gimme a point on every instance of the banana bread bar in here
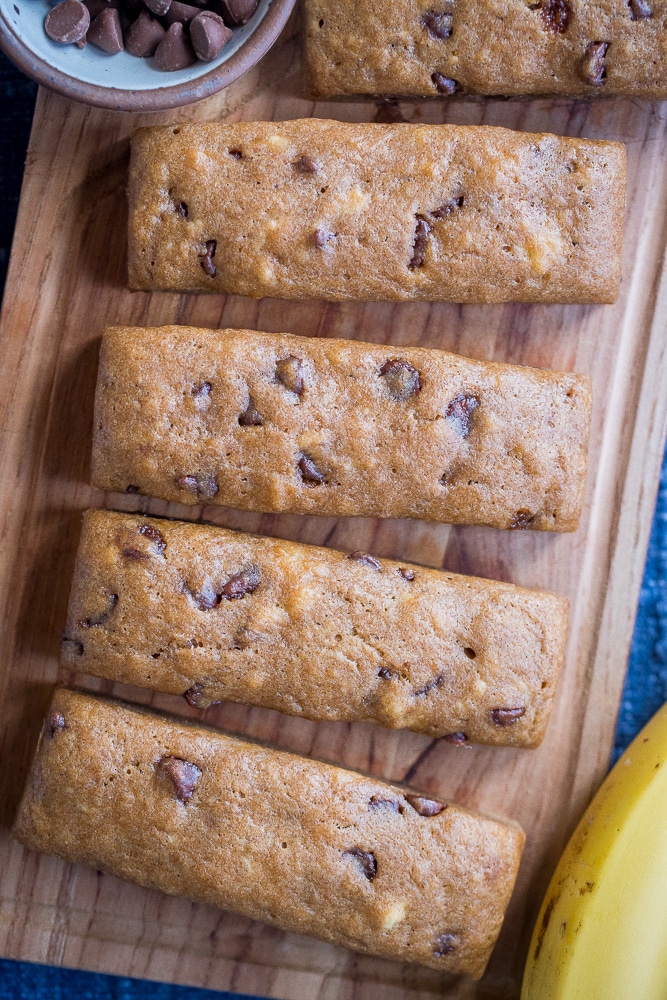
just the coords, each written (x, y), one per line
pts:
(417, 48)
(222, 616)
(273, 422)
(332, 210)
(284, 839)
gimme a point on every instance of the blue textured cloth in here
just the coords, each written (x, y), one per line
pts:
(24, 981)
(645, 687)
(646, 681)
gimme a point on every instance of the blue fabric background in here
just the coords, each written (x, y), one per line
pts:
(646, 682)
(23, 981)
(645, 687)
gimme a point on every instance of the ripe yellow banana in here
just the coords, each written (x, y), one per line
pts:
(601, 933)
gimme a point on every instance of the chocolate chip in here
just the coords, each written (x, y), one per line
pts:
(639, 10)
(407, 574)
(445, 945)
(444, 84)
(470, 653)
(182, 774)
(310, 474)
(556, 15)
(367, 560)
(131, 553)
(449, 207)
(183, 12)
(401, 378)
(522, 520)
(96, 7)
(209, 35)
(206, 260)
(235, 154)
(306, 165)
(153, 535)
(245, 582)
(437, 682)
(192, 25)
(73, 645)
(365, 860)
(158, 7)
(385, 674)
(175, 52)
(112, 601)
(438, 23)
(182, 210)
(250, 416)
(321, 237)
(460, 412)
(242, 583)
(201, 390)
(424, 806)
(389, 111)
(422, 229)
(205, 599)
(506, 716)
(195, 696)
(67, 22)
(457, 739)
(376, 803)
(237, 11)
(204, 485)
(289, 373)
(131, 489)
(106, 32)
(593, 69)
(54, 723)
(143, 36)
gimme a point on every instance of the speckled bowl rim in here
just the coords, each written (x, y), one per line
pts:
(157, 99)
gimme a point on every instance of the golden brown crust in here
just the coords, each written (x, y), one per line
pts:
(332, 210)
(473, 443)
(303, 845)
(507, 47)
(223, 616)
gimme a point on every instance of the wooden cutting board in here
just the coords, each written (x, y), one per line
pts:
(66, 282)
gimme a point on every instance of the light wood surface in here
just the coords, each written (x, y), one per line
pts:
(66, 281)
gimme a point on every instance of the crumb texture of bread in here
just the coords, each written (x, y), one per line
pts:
(274, 422)
(320, 209)
(218, 615)
(290, 841)
(504, 47)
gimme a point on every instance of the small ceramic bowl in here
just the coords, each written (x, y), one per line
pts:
(123, 82)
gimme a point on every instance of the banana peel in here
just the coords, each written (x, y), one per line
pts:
(601, 933)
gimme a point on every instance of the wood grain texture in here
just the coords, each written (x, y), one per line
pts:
(66, 282)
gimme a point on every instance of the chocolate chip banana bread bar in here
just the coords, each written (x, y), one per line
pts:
(274, 422)
(417, 48)
(333, 210)
(218, 615)
(293, 842)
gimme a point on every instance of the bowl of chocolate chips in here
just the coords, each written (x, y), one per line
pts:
(139, 55)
